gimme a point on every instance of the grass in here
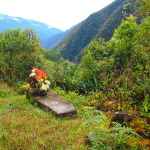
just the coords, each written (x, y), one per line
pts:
(24, 126)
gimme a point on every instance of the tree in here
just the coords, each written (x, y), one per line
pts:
(19, 51)
(96, 49)
(124, 42)
(144, 9)
(54, 55)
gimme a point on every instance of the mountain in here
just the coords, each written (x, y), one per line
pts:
(43, 30)
(51, 42)
(99, 24)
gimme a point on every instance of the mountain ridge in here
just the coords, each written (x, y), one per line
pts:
(51, 42)
(43, 30)
(92, 28)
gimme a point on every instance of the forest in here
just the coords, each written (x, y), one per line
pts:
(99, 24)
(112, 76)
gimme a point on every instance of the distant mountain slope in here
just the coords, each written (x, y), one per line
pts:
(114, 20)
(51, 42)
(99, 24)
(43, 30)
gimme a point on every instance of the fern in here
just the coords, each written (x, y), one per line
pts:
(104, 138)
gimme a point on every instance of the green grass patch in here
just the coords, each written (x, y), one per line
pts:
(27, 127)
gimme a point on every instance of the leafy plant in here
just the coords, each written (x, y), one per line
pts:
(104, 137)
(146, 105)
(19, 52)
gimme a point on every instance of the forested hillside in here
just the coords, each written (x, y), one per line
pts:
(99, 24)
(51, 42)
(109, 87)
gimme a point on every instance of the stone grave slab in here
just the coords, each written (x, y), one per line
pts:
(55, 104)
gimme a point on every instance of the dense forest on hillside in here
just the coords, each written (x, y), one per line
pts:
(114, 75)
(51, 42)
(99, 24)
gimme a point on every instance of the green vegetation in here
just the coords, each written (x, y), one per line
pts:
(25, 126)
(112, 76)
(19, 51)
(99, 24)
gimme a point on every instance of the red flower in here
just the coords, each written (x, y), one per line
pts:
(32, 83)
(39, 74)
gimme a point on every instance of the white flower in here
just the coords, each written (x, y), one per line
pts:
(47, 82)
(44, 87)
(32, 75)
(33, 70)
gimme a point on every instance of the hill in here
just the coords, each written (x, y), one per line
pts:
(99, 24)
(43, 30)
(51, 42)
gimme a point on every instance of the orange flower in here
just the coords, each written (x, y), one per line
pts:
(39, 74)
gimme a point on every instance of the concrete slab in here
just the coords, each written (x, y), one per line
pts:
(55, 104)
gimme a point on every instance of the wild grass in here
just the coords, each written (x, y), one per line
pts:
(24, 126)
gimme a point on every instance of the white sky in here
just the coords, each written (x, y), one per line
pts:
(61, 14)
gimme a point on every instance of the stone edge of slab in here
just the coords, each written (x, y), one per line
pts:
(47, 108)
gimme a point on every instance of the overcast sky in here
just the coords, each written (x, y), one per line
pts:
(61, 14)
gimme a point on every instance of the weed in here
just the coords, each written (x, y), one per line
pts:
(105, 138)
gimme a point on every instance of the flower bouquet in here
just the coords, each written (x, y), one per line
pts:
(38, 81)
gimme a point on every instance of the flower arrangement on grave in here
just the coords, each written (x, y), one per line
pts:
(38, 80)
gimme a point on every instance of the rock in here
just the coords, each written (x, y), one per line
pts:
(121, 117)
(55, 104)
